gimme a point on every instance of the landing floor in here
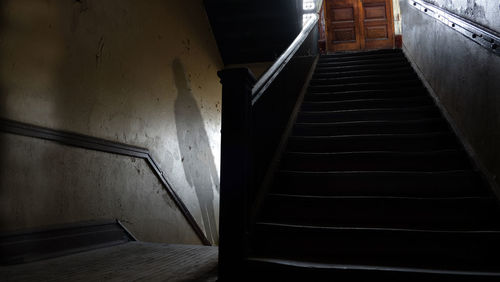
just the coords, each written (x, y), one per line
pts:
(133, 261)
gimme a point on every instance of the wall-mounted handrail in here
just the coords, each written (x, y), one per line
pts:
(268, 77)
(483, 36)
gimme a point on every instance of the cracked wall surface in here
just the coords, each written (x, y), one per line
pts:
(107, 69)
(484, 12)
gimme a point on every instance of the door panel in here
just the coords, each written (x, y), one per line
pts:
(378, 25)
(359, 24)
(343, 31)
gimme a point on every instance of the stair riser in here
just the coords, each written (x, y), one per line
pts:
(422, 249)
(364, 86)
(450, 214)
(458, 184)
(346, 273)
(362, 79)
(346, 74)
(325, 59)
(367, 104)
(369, 128)
(366, 94)
(366, 116)
(356, 62)
(355, 144)
(384, 52)
(375, 162)
(391, 66)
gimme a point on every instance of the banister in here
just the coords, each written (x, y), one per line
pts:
(248, 135)
(268, 77)
(485, 37)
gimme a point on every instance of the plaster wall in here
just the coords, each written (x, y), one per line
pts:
(483, 12)
(84, 186)
(137, 72)
(463, 75)
(397, 17)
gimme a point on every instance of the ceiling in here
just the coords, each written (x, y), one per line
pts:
(250, 31)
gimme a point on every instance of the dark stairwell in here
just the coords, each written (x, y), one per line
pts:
(373, 184)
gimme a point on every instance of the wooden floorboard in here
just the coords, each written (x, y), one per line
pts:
(133, 261)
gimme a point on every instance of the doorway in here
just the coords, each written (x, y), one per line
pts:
(353, 25)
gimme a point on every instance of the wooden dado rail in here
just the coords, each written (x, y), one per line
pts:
(93, 143)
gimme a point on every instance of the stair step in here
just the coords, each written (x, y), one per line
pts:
(459, 183)
(369, 114)
(460, 213)
(356, 73)
(451, 250)
(376, 161)
(366, 94)
(298, 269)
(363, 67)
(381, 52)
(373, 142)
(382, 85)
(371, 127)
(351, 57)
(360, 61)
(404, 102)
(362, 78)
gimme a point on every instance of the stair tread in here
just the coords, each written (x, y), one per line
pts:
(321, 69)
(411, 90)
(376, 229)
(373, 141)
(440, 213)
(368, 122)
(430, 160)
(451, 249)
(356, 61)
(418, 126)
(373, 110)
(325, 264)
(365, 57)
(372, 83)
(410, 98)
(373, 135)
(358, 73)
(379, 183)
(362, 53)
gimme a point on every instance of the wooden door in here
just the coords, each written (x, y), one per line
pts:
(359, 25)
(343, 32)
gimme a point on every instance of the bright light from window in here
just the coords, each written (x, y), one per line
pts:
(308, 4)
(306, 17)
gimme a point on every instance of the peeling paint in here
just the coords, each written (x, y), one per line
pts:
(483, 12)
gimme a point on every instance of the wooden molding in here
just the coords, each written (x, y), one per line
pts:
(98, 144)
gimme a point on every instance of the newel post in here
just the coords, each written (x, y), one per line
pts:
(235, 169)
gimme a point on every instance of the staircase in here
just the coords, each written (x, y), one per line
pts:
(374, 184)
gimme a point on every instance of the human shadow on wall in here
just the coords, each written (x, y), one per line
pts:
(197, 158)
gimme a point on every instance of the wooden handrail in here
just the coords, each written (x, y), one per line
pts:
(268, 77)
